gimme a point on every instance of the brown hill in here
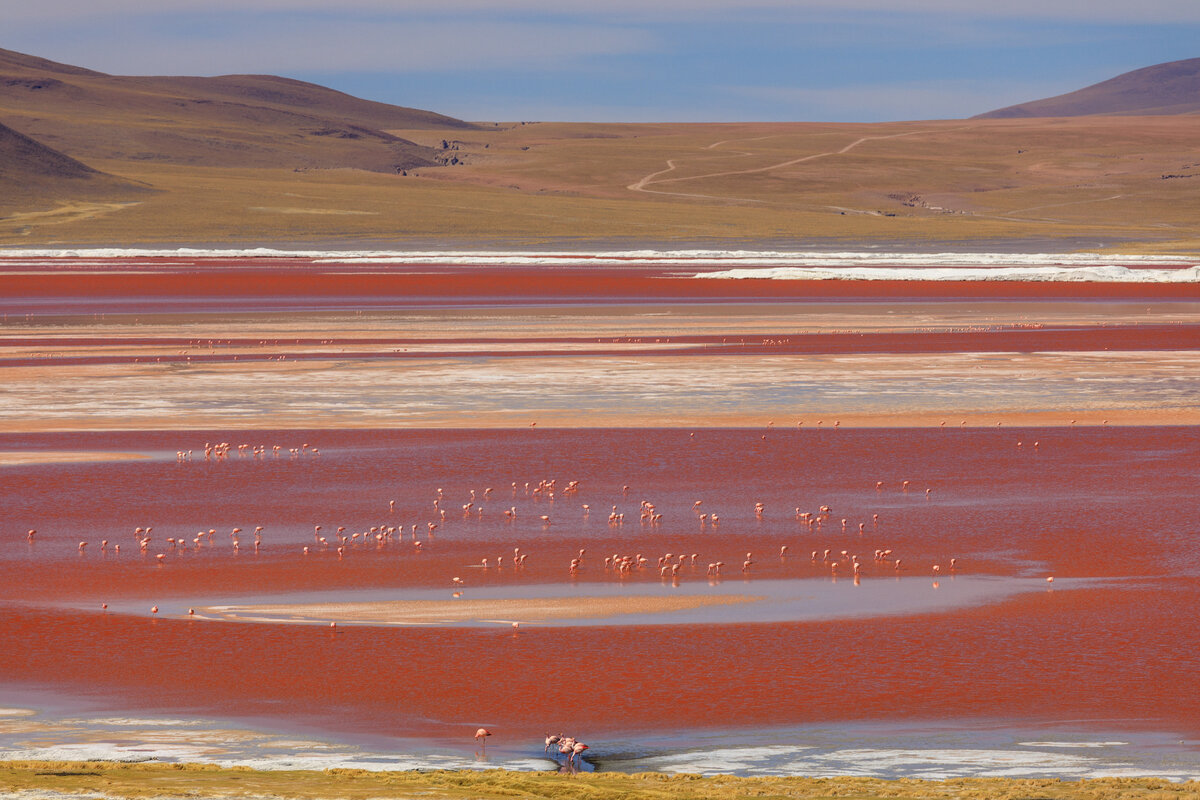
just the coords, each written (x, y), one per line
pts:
(31, 171)
(23, 159)
(230, 121)
(1171, 88)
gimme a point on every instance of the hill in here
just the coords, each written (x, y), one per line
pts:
(25, 161)
(30, 172)
(1163, 89)
(247, 121)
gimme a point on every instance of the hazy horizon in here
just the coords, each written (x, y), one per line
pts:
(713, 60)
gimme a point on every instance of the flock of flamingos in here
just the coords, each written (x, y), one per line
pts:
(669, 565)
(834, 561)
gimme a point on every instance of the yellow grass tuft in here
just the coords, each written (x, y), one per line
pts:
(118, 780)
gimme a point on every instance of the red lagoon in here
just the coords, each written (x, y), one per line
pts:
(1109, 512)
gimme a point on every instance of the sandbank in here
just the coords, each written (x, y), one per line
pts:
(11, 458)
(424, 612)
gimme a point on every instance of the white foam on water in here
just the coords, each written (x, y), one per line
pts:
(716, 761)
(939, 750)
(92, 739)
(1073, 744)
(379, 762)
(17, 712)
(134, 722)
(878, 759)
(832, 265)
(106, 751)
(299, 756)
(1029, 274)
(925, 763)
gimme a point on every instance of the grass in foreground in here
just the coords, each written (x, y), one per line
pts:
(111, 779)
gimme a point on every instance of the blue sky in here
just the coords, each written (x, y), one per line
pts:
(622, 60)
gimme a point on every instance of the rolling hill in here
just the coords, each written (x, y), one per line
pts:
(247, 121)
(31, 171)
(1163, 89)
(24, 160)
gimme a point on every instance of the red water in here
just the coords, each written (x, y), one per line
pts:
(283, 280)
(1119, 503)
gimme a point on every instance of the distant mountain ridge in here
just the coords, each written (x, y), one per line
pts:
(1163, 89)
(228, 121)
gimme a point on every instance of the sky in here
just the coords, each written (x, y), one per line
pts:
(631, 60)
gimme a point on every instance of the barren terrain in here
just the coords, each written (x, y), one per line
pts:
(1126, 183)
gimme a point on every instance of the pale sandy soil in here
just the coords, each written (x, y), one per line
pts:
(417, 612)
(22, 458)
(292, 421)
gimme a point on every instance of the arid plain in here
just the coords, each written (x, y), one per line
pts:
(1016, 184)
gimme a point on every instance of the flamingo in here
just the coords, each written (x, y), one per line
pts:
(482, 734)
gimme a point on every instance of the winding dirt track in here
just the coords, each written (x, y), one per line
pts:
(672, 164)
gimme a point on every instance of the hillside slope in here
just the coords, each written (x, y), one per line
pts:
(31, 171)
(1170, 88)
(243, 121)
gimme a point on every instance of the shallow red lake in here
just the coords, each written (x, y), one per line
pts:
(1115, 506)
(886, 427)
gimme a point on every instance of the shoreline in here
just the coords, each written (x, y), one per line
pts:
(975, 420)
(58, 779)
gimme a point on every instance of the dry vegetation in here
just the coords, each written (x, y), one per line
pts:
(1076, 181)
(109, 779)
